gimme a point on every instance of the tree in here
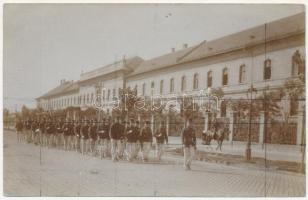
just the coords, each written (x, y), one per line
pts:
(25, 112)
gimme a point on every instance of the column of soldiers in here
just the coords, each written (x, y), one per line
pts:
(118, 140)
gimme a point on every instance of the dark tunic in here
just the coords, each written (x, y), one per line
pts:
(146, 134)
(93, 132)
(161, 135)
(85, 132)
(189, 137)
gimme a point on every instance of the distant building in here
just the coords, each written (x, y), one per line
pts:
(264, 56)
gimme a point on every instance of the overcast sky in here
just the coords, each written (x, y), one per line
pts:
(46, 43)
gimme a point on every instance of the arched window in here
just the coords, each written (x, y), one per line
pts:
(136, 89)
(113, 94)
(104, 94)
(242, 78)
(171, 85)
(225, 76)
(143, 89)
(267, 69)
(152, 87)
(209, 79)
(161, 87)
(223, 109)
(196, 81)
(297, 64)
(183, 83)
(108, 95)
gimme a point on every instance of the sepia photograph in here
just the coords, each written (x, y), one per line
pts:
(154, 100)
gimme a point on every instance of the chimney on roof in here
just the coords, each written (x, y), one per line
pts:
(62, 81)
(172, 49)
(185, 46)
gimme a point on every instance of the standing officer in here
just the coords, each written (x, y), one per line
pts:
(115, 139)
(93, 136)
(42, 126)
(161, 138)
(147, 139)
(84, 137)
(77, 127)
(189, 144)
(66, 133)
(19, 127)
(58, 133)
(104, 139)
(28, 129)
(50, 130)
(131, 137)
(35, 131)
(122, 140)
(138, 145)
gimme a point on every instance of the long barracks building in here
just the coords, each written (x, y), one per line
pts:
(264, 56)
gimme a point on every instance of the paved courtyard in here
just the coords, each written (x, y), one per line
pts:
(33, 171)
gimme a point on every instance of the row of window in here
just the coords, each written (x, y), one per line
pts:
(225, 81)
(297, 68)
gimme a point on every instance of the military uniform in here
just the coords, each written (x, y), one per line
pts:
(57, 136)
(189, 143)
(93, 137)
(104, 139)
(84, 143)
(50, 130)
(161, 139)
(116, 133)
(28, 130)
(147, 139)
(77, 128)
(66, 133)
(131, 138)
(35, 132)
(19, 127)
(42, 125)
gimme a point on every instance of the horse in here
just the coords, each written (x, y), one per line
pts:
(210, 135)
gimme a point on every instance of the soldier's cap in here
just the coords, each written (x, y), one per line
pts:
(147, 121)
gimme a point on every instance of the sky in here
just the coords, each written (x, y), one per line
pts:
(44, 43)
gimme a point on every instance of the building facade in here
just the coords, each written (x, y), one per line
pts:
(262, 58)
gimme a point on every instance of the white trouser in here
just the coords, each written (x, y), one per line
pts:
(160, 147)
(115, 148)
(130, 150)
(146, 150)
(189, 153)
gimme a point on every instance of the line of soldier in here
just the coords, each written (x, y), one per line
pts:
(117, 140)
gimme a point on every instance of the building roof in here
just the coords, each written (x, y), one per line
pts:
(274, 30)
(125, 64)
(66, 87)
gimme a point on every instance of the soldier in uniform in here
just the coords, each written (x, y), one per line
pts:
(77, 128)
(71, 137)
(93, 137)
(115, 135)
(28, 129)
(161, 138)
(42, 131)
(35, 131)
(66, 133)
(103, 135)
(58, 134)
(147, 139)
(138, 145)
(19, 127)
(122, 140)
(189, 144)
(84, 137)
(131, 137)
(48, 128)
